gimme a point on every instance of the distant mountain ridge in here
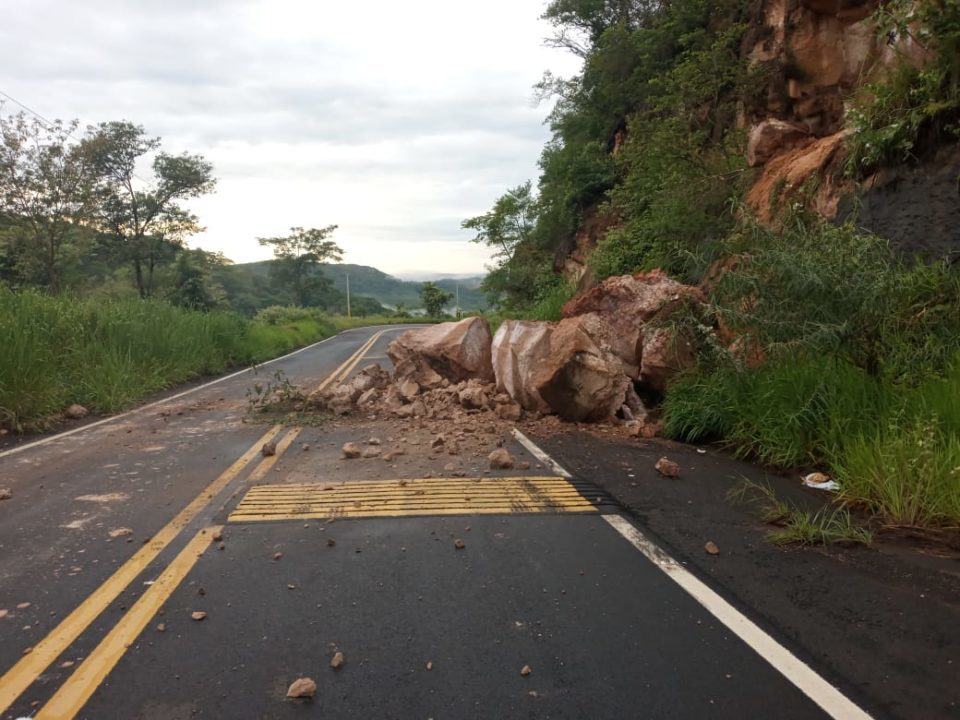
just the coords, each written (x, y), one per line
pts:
(386, 289)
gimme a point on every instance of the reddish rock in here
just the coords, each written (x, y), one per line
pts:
(772, 137)
(667, 467)
(76, 412)
(448, 351)
(360, 389)
(518, 348)
(351, 450)
(617, 311)
(665, 353)
(473, 398)
(500, 459)
(302, 688)
(640, 297)
(510, 412)
(559, 368)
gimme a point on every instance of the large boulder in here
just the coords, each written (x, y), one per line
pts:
(582, 380)
(559, 368)
(518, 348)
(634, 299)
(666, 352)
(449, 351)
(621, 313)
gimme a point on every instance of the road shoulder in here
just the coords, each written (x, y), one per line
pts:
(881, 622)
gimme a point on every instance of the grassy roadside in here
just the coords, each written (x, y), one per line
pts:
(106, 356)
(860, 374)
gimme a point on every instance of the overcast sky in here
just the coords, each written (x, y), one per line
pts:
(393, 120)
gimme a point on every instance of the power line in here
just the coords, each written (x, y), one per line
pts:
(30, 110)
(49, 123)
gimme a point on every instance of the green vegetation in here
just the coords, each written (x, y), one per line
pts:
(297, 260)
(826, 526)
(917, 108)
(846, 354)
(434, 299)
(862, 369)
(108, 355)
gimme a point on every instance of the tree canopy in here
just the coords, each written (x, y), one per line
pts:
(47, 185)
(297, 260)
(434, 298)
(143, 220)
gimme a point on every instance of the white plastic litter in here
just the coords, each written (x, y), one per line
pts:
(819, 481)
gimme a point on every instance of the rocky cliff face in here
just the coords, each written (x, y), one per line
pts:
(815, 57)
(818, 55)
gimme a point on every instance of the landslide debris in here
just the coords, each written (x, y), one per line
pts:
(616, 343)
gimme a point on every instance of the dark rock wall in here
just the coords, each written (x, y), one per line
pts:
(916, 207)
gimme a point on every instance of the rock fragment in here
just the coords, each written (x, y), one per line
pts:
(337, 661)
(5, 493)
(120, 532)
(459, 544)
(198, 615)
(500, 459)
(711, 548)
(269, 449)
(302, 688)
(76, 412)
(351, 450)
(525, 670)
(667, 467)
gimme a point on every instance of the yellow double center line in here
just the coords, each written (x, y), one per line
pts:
(29, 668)
(340, 374)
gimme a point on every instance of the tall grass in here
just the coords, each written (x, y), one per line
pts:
(107, 355)
(862, 371)
(893, 446)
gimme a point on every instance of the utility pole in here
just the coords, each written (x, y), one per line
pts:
(348, 295)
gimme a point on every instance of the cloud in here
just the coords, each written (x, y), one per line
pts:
(393, 120)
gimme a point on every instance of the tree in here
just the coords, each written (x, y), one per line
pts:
(297, 260)
(434, 298)
(144, 219)
(195, 286)
(509, 223)
(46, 190)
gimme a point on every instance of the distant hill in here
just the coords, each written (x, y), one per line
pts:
(367, 281)
(392, 291)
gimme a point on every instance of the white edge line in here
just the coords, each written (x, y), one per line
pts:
(830, 700)
(540, 454)
(826, 696)
(157, 403)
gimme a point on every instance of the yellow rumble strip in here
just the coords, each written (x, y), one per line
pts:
(399, 498)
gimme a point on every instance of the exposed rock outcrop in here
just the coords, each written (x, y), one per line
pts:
(571, 260)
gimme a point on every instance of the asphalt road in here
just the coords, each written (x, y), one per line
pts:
(118, 533)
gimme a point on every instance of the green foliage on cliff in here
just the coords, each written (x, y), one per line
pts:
(645, 130)
(918, 106)
(860, 349)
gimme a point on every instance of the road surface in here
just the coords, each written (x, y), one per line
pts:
(118, 533)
